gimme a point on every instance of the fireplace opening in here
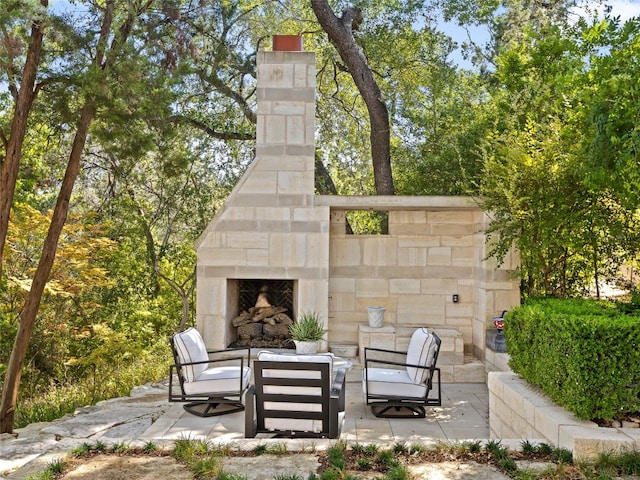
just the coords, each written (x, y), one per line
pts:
(263, 312)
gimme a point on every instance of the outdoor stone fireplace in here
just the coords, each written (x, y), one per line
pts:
(429, 270)
(265, 311)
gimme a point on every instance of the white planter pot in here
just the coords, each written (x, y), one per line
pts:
(303, 347)
(376, 316)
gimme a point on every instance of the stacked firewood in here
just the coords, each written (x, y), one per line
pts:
(263, 327)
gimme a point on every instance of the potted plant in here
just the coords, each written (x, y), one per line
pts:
(307, 332)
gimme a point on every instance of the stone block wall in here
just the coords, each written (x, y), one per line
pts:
(433, 251)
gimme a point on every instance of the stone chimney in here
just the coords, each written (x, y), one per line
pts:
(269, 227)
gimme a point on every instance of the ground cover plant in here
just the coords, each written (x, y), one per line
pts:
(346, 461)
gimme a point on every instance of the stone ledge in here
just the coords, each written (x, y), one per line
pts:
(529, 413)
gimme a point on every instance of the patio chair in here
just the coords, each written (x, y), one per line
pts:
(400, 384)
(211, 382)
(295, 396)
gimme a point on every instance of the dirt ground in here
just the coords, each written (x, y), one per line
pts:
(145, 467)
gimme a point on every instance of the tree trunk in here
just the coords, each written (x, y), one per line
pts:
(32, 304)
(30, 311)
(340, 32)
(13, 146)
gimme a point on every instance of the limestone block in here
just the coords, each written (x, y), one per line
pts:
(451, 229)
(381, 337)
(281, 162)
(463, 256)
(287, 250)
(372, 287)
(343, 302)
(227, 256)
(275, 129)
(447, 374)
(240, 213)
(295, 130)
(260, 182)
(286, 108)
(275, 75)
(419, 241)
(587, 443)
(438, 285)
(404, 285)
(257, 257)
(422, 307)
(464, 217)
(398, 217)
(469, 373)
(460, 309)
(342, 285)
(344, 252)
(270, 214)
(380, 251)
(409, 229)
(412, 256)
(291, 182)
(439, 256)
(458, 241)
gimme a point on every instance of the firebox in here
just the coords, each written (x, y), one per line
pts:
(265, 309)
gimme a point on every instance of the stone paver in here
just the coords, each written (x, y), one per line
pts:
(147, 416)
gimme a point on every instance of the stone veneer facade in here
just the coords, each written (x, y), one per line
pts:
(273, 226)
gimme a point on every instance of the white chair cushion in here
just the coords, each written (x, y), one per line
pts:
(268, 356)
(391, 382)
(223, 379)
(422, 349)
(190, 347)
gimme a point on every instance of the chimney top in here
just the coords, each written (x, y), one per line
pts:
(287, 43)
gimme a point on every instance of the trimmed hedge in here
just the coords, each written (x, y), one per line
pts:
(584, 354)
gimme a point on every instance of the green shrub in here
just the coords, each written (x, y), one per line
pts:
(584, 354)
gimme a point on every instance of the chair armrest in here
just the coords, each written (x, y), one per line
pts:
(338, 388)
(250, 424)
(373, 349)
(399, 364)
(213, 360)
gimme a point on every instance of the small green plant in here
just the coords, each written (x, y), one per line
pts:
(231, 476)
(387, 458)
(400, 447)
(495, 448)
(358, 448)
(99, 446)
(278, 449)
(371, 449)
(545, 449)
(475, 446)
(287, 477)
(308, 328)
(260, 449)
(207, 467)
(337, 458)
(397, 472)
(120, 448)
(562, 455)
(416, 449)
(81, 449)
(364, 463)
(187, 450)
(56, 466)
(508, 464)
(528, 448)
(149, 447)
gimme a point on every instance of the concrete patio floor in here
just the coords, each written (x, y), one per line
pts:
(147, 416)
(464, 415)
